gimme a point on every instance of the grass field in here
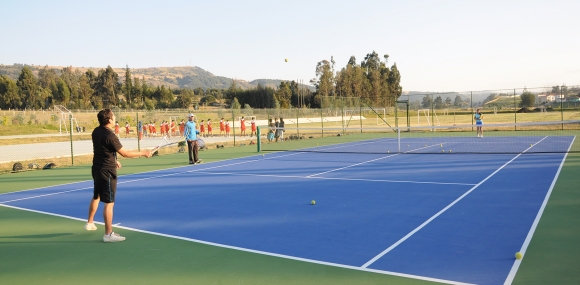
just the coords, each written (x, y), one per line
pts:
(38, 248)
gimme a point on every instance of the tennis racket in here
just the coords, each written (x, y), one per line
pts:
(164, 142)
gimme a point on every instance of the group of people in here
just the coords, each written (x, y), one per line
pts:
(275, 130)
(206, 130)
(117, 129)
(166, 128)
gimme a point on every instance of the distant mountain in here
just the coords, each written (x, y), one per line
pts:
(173, 77)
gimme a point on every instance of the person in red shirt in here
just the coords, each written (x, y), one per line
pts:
(209, 133)
(243, 126)
(253, 123)
(127, 130)
(154, 129)
(117, 129)
(222, 127)
(227, 128)
(181, 127)
(201, 129)
(162, 127)
(172, 128)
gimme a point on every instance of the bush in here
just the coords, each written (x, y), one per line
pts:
(19, 118)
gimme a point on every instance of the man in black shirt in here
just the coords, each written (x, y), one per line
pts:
(106, 145)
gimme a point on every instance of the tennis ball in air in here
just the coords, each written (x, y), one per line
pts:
(312, 202)
(286, 60)
(519, 255)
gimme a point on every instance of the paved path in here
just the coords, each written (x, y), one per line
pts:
(23, 152)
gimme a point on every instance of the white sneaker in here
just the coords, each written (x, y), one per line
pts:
(113, 237)
(90, 227)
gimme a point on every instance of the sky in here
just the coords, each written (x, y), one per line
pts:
(438, 46)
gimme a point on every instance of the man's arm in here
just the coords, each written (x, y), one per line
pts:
(132, 154)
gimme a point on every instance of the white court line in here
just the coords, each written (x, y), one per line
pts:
(516, 266)
(334, 178)
(368, 263)
(356, 164)
(134, 180)
(256, 251)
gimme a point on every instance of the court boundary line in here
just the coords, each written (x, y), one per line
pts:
(517, 263)
(336, 178)
(418, 228)
(139, 179)
(384, 272)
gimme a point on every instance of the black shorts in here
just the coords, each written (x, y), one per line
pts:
(105, 184)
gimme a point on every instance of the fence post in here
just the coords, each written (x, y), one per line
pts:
(515, 112)
(471, 102)
(322, 121)
(72, 157)
(139, 130)
(562, 107)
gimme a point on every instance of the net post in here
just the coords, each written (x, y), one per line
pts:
(72, 157)
(399, 140)
(259, 141)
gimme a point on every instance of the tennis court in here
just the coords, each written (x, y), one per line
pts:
(444, 217)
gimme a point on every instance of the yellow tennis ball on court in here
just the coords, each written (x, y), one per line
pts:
(442, 150)
(530, 144)
(312, 202)
(449, 150)
(441, 145)
(519, 255)
(388, 151)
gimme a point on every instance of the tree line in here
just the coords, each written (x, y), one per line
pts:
(371, 80)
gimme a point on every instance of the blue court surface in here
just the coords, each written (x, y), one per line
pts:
(451, 218)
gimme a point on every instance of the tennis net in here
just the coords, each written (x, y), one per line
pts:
(539, 137)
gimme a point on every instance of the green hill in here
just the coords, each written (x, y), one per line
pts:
(173, 77)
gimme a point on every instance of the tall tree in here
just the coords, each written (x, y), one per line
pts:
(528, 99)
(324, 81)
(426, 102)
(28, 87)
(9, 96)
(128, 85)
(86, 92)
(458, 101)
(62, 95)
(283, 95)
(106, 87)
